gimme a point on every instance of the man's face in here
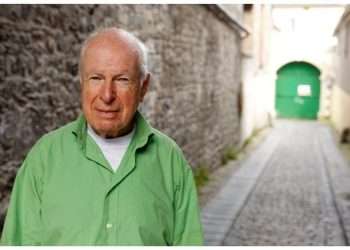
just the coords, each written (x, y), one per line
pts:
(111, 86)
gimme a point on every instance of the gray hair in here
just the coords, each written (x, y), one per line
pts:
(141, 48)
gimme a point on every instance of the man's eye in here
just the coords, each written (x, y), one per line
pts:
(122, 81)
(95, 78)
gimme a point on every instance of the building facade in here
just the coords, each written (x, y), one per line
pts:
(256, 83)
(341, 89)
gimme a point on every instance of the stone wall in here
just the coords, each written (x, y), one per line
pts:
(194, 58)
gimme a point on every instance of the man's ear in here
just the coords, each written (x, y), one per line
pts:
(144, 86)
(81, 81)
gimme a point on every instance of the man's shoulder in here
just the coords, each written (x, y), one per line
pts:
(164, 140)
(168, 148)
(170, 153)
(157, 137)
(59, 134)
(48, 146)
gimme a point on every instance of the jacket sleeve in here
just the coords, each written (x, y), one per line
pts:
(23, 223)
(188, 228)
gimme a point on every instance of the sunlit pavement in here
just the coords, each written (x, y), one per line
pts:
(293, 189)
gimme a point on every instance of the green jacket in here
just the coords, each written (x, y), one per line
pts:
(66, 193)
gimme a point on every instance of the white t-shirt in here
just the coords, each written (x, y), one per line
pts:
(113, 149)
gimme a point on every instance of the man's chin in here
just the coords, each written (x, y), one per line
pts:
(110, 128)
(106, 129)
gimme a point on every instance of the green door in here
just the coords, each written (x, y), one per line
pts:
(297, 91)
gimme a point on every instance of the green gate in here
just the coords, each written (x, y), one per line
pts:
(297, 91)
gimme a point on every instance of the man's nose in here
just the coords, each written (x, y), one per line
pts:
(108, 92)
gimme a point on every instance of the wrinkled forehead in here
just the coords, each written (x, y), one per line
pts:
(112, 41)
(110, 45)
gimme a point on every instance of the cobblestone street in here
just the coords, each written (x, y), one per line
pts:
(293, 189)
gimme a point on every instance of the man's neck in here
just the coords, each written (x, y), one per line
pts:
(107, 139)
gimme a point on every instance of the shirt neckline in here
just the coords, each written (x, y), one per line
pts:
(120, 140)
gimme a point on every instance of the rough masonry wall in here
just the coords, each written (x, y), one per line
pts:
(194, 59)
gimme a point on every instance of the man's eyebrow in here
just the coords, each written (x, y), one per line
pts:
(115, 75)
(94, 74)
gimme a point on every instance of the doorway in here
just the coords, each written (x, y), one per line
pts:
(298, 91)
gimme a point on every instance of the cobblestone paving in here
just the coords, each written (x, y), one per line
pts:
(300, 195)
(219, 177)
(220, 211)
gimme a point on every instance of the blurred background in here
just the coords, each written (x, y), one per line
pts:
(220, 75)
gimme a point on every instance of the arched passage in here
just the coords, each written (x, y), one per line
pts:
(298, 91)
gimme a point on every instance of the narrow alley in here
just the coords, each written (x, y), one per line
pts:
(291, 190)
(255, 95)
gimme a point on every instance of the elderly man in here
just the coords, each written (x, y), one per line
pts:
(107, 178)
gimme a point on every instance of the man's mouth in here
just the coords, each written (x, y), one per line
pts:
(109, 114)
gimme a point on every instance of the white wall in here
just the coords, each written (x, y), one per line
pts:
(340, 109)
(341, 90)
(256, 81)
